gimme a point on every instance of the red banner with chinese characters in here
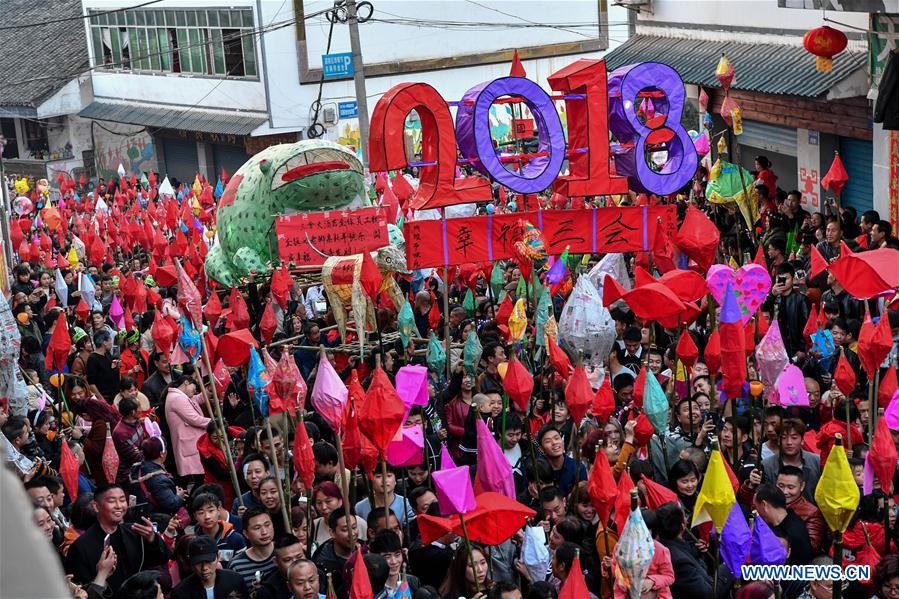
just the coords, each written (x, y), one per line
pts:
(454, 241)
(894, 180)
(335, 233)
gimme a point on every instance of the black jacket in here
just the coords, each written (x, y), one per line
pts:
(273, 586)
(228, 585)
(792, 314)
(328, 561)
(161, 492)
(690, 576)
(133, 553)
(153, 388)
(886, 109)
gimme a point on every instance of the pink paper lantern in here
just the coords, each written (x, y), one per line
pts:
(892, 412)
(407, 447)
(454, 491)
(791, 387)
(412, 385)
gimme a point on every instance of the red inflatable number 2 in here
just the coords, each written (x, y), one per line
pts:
(438, 185)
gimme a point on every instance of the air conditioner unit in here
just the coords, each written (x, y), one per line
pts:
(329, 115)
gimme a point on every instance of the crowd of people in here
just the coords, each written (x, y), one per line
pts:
(170, 522)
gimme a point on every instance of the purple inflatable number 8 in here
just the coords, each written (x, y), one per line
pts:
(473, 134)
(625, 85)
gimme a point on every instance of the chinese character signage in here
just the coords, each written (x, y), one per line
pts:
(455, 241)
(335, 233)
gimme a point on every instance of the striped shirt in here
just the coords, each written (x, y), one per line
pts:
(247, 567)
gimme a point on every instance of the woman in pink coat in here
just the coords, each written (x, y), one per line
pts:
(659, 578)
(186, 424)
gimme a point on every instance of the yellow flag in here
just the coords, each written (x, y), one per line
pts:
(72, 257)
(733, 263)
(837, 494)
(716, 498)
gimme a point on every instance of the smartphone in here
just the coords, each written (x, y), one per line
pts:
(106, 542)
(781, 280)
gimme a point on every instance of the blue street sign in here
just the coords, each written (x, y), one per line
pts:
(348, 110)
(337, 66)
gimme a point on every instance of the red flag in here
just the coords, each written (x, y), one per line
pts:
(268, 324)
(213, 309)
(578, 394)
(504, 312)
(604, 401)
(888, 387)
(402, 189)
(749, 332)
(662, 251)
(434, 315)
(163, 334)
(575, 586)
(602, 487)
(517, 69)
(883, 456)
(361, 585)
(221, 377)
(811, 325)
(874, 343)
(303, 460)
(281, 285)
(370, 276)
(623, 501)
(59, 347)
(686, 349)
(189, 296)
(352, 436)
(639, 386)
(68, 470)
(712, 353)
(240, 315)
(819, 264)
(760, 256)
(558, 358)
(82, 311)
(836, 178)
(657, 495)
(844, 376)
(518, 384)
(643, 431)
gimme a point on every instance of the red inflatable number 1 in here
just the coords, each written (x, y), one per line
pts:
(438, 185)
(590, 171)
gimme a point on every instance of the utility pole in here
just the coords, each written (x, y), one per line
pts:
(359, 79)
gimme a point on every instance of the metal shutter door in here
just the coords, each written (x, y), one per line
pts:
(180, 159)
(228, 157)
(768, 137)
(858, 156)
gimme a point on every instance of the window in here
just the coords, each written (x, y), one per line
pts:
(218, 42)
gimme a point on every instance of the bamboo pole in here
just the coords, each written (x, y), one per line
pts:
(274, 452)
(221, 423)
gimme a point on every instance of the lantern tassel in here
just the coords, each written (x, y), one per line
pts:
(823, 64)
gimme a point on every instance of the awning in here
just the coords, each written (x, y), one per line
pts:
(193, 119)
(764, 68)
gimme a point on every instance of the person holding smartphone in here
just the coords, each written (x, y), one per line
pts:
(103, 367)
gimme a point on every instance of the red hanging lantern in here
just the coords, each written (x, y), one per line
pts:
(825, 43)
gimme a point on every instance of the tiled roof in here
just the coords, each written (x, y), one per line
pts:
(766, 68)
(207, 121)
(36, 61)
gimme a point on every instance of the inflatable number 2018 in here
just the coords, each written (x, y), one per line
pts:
(594, 106)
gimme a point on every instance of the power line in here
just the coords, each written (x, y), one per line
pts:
(77, 18)
(514, 16)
